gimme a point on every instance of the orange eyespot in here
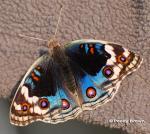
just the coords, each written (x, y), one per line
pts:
(65, 104)
(44, 103)
(122, 59)
(108, 71)
(91, 92)
(25, 107)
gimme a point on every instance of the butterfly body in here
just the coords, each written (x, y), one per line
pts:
(81, 75)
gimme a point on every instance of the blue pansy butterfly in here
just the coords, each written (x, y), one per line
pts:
(82, 75)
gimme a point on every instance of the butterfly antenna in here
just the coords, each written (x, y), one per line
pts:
(53, 41)
(58, 21)
(21, 35)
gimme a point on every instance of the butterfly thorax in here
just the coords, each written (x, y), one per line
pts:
(52, 43)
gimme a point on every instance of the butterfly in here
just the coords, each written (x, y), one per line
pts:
(81, 75)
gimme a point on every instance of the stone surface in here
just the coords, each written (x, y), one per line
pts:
(125, 22)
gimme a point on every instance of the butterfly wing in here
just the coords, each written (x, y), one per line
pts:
(98, 68)
(42, 96)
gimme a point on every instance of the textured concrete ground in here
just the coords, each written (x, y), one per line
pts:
(125, 22)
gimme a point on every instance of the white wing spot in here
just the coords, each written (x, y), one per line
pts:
(24, 91)
(126, 52)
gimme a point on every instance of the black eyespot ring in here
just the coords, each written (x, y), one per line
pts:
(25, 107)
(108, 71)
(44, 103)
(122, 59)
